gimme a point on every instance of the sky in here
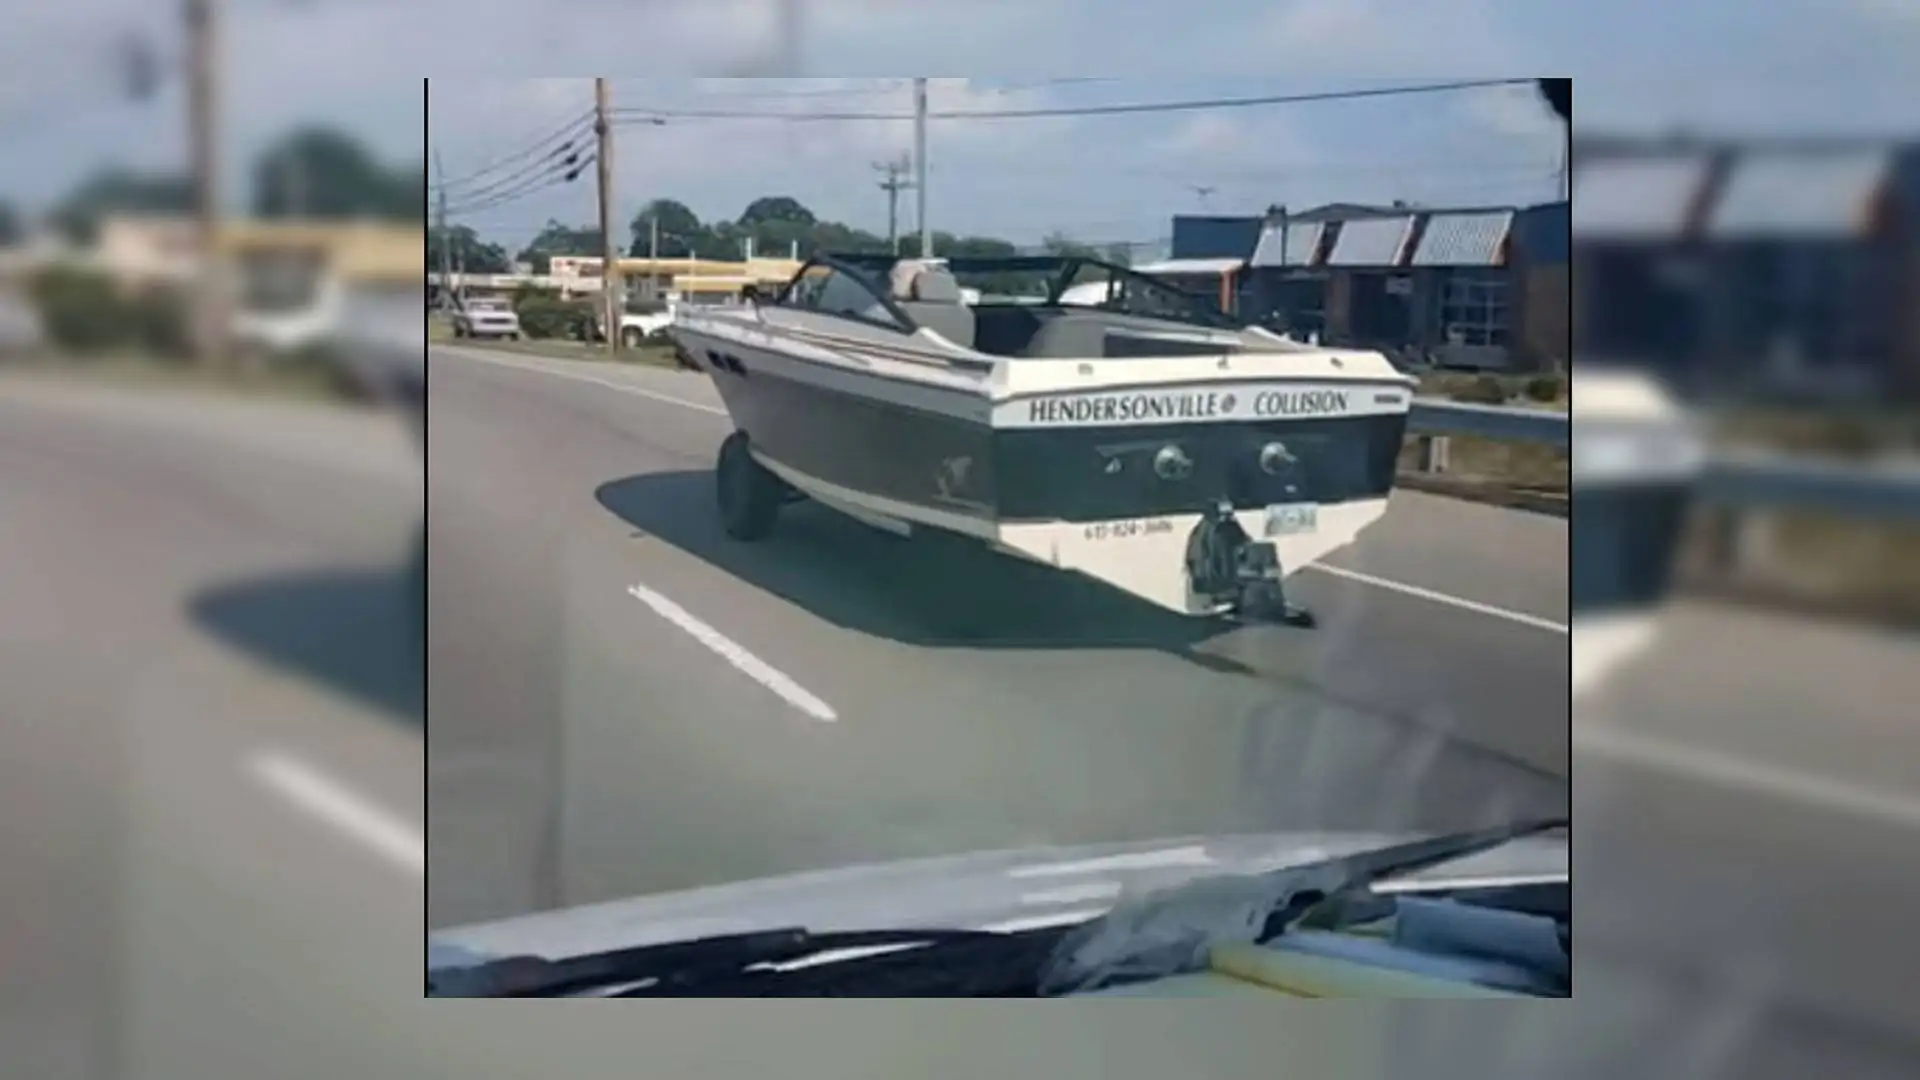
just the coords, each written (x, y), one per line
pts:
(1709, 65)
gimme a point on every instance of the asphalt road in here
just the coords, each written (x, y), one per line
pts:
(1753, 761)
(212, 813)
(200, 666)
(587, 618)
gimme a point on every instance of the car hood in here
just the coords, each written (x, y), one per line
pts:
(1002, 890)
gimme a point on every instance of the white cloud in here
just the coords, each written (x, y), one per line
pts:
(1400, 38)
(1516, 115)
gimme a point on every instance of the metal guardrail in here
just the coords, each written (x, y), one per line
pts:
(1435, 416)
(1883, 490)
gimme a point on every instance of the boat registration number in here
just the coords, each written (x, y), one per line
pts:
(1292, 519)
(1126, 530)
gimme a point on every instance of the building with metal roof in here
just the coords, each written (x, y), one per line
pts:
(1464, 238)
(1372, 242)
(1777, 264)
(1787, 195)
(1640, 198)
(1198, 236)
(1294, 243)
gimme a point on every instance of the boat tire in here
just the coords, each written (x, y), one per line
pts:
(749, 495)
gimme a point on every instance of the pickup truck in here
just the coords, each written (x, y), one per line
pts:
(487, 318)
(634, 328)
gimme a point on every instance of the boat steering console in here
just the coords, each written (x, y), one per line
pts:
(1232, 568)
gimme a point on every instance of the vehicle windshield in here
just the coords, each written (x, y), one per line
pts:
(1070, 281)
(947, 600)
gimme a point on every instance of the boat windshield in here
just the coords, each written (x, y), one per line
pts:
(1066, 281)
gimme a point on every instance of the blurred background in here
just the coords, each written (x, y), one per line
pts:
(211, 469)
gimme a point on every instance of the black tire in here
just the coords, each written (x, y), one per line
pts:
(749, 495)
(631, 337)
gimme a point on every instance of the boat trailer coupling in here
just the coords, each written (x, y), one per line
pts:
(1229, 566)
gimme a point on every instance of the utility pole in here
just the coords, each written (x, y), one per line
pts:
(610, 290)
(920, 165)
(893, 185)
(786, 16)
(203, 91)
(446, 252)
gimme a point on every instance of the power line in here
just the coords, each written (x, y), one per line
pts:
(566, 131)
(560, 160)
(1127, 108)
(533, 187)
(468, 209)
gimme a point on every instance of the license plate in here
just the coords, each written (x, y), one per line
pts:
(1289, 519)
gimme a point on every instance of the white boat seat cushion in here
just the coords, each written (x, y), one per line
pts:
(937, 304)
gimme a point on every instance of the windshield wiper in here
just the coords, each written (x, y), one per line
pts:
(1174, 931)
(731, 965)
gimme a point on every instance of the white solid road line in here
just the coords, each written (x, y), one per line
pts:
(1461, 602)
(1191, 855)
(343, 808)
(624, 388)
(1476, 606)
(1698, 763)
(733, 653)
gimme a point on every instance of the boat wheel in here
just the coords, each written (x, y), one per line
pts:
(750, 496)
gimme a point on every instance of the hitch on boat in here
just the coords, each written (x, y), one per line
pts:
(1232, 568)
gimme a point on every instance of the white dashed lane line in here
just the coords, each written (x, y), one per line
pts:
(736, 654)
(345, 810)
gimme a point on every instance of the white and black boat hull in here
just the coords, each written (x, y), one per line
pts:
(1023, 475)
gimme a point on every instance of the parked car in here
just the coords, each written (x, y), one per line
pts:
(21, 329)
(635, 327)
(487, 319)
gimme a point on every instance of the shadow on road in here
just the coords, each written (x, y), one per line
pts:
(868, 581)
(353, 631)
(962, 596)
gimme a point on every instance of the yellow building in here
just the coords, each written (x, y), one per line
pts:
(694, 279)
(140, 248)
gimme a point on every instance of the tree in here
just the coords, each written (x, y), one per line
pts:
(782, 209)
(323, 173)
(11, 231)
(465, 251)
(681, 233)
(119, 191)
(558, 239)
(1061, 244)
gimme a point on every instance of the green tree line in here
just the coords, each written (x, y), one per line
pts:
(313, 172)
(776, 225)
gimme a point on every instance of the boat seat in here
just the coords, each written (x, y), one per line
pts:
(1070, 335)
(935, 302)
